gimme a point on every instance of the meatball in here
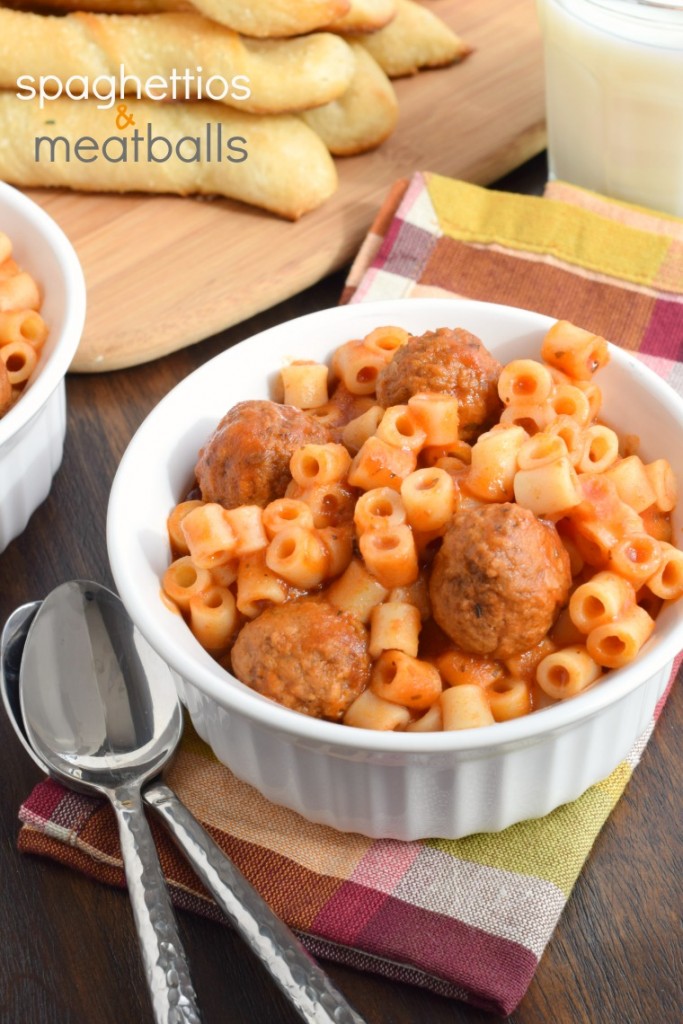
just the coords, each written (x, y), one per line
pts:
(498, 580)
(452, 362)
(306, 655)
(246, 459)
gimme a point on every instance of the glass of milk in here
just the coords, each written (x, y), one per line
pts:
(614, 97)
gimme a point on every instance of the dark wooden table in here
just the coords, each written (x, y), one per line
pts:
(68, 948)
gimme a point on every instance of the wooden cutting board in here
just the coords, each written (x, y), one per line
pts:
(164, 272)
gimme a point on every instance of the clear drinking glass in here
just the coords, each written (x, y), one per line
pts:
(614, 97)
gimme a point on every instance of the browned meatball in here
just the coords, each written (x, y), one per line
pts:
(306, 655)
(246, 459)
(499, 580)
(452, 362)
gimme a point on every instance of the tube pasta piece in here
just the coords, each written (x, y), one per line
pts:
(358, 366)
(458, 668)
(356, 591)
(465, 707)
(429, 498)
(390, 555)
(667, 581)
(298, 556)
(569, 400)
(531, 416)
(247, 525)
(617, 643)
(430, 721)
(631, 479)
(304, 385)
(358, 430)
(603, 598)
(415, 38)
(663, 481)
(567, 672)
(600, 449)
(19, 292)
(657, 523)
(288, 169)
(509, 698)
(20, 359)
(493, 465)
(257, 585)
(574, 351)
(524, 380)
(394, 626)
(386, 340)
(213, 618)
(26, 325)
(402, 679)
(438, 416)
(636, 557)
(365, 16)
(368, 711)
(183, 580)
(174, 525)
(363, 116)
(6, 391)
(549, 490)
(284, 512)
(314, 465)
(210, 536)
(378, 464)
(569, 431)
(379, 509)
(541, 449)
(400, 429)
(259, 18)
(331, 504)
(338, 542)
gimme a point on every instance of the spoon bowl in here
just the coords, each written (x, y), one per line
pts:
(101, 710)
(114, 715)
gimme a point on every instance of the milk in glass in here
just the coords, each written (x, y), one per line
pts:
(614, 97)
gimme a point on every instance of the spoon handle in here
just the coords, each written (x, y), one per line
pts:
(166, 968)
(295, 972)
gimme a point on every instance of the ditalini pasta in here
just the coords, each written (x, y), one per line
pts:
(22, 329)
(358, 520)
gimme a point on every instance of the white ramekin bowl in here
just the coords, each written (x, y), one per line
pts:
(32, 432)
(399, 785)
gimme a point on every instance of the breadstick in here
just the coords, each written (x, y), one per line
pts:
(363, 117)
(414, 39)
(364, 16)
(287, 168)
(263, 19)
(283, 74)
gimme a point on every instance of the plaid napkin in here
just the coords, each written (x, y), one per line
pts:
(493, 900)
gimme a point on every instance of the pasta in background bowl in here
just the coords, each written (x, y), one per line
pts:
(32, 428)
(404, 785)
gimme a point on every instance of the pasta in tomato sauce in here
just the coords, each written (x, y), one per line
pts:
(470, 561)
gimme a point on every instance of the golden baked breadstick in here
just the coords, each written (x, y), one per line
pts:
(364, 116)
(276, 162)
(365, 16)
(264, 19)
(414, 39)
(283, 74)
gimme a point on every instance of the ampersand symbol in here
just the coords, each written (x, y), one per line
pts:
(123, 118)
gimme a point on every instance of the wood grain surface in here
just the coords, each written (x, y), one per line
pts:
(164, 272)
(69, 952)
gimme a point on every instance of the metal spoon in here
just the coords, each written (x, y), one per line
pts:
(298, 976)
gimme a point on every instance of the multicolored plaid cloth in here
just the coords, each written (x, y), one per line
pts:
(468, 918)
